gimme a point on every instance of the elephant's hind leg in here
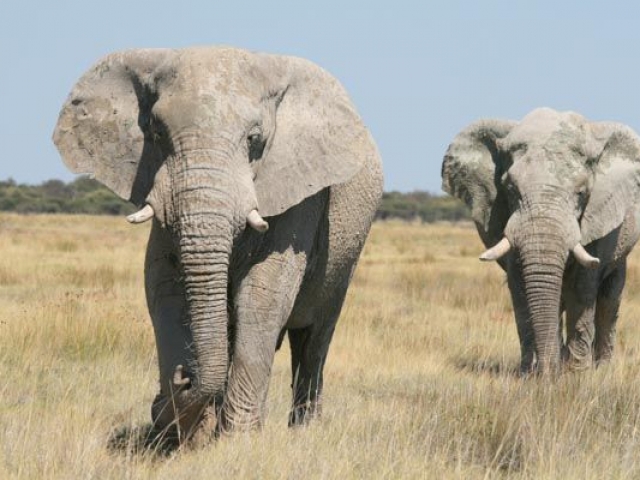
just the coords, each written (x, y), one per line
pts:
(607, 308)
(340, 241)
(309, 348)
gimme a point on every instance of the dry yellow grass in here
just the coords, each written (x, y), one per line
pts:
(419, 383)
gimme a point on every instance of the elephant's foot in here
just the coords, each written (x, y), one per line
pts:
(205, 429)
(603, 353)
(577, 357)
(602, 356)
(528, 366)
(578, 364)
(528, 361)
(176, 424)
(243, 419)
(302, 414)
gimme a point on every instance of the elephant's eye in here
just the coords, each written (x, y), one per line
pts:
(583, 197)
(518, 149)
(255, 144)
(513, 196)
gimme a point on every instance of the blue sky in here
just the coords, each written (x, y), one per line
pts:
(418, 71)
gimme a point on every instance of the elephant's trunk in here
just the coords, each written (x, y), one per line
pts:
(543, 235)
(206, 219)
(205, 247)
(542, 265)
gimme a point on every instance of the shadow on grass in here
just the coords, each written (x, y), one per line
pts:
(145, 440)
(487, 366)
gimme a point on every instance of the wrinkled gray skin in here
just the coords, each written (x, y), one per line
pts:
(548, 183)
(204, 136)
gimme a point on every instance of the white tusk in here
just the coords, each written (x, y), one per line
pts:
(141, 216)
(496, 252)
(584, 258)
(256, 222)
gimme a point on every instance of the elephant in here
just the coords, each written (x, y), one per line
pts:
(554, 198)
(261, 181)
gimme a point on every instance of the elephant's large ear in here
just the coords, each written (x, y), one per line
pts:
(616, 187)
(472, 169)
(319, 139)
(99, 129)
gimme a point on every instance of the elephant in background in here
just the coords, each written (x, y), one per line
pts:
(208, 141)
(555, 200)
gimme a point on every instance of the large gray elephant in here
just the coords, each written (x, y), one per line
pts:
(555, 197)
(207, 141)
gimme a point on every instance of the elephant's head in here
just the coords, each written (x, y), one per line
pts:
(208, 141)
(539, 190)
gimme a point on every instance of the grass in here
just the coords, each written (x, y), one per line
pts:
(420, 380)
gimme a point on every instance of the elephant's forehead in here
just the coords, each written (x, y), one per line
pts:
(221, 69)
(555, 133)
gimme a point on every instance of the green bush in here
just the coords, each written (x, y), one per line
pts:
(421, 206)
(83, 195)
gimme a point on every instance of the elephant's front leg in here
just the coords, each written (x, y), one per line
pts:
(263, 302)
(607, 307)
(580, 315)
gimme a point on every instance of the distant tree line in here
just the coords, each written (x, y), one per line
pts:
(84, 195)
(423, 206)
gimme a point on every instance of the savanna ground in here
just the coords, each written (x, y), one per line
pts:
(420, 379)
